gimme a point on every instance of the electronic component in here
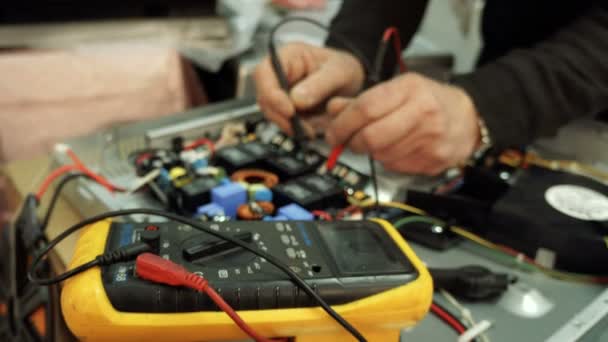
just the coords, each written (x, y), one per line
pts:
(311, 192)
(327, 188)
(344, 262)
(295, 212)
(229, 196)
(347, 176)
(258, 192)
(195, 159)
(292, 165)
(192, 195)
(255, 210)
(155, 159)
(179, 176)
(242, 156)
(255, 176)
(163, 180)
(294, 192)
(210, 210)
(546, 215)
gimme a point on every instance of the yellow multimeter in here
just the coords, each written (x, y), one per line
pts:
(363, 269)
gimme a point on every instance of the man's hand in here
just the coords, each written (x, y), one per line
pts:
(315, 74)
(410, 124)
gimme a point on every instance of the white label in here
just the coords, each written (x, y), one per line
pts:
(578, 202)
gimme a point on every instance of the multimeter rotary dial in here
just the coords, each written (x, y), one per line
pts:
(205, 250)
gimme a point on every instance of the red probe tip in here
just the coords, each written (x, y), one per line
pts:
(333, 157)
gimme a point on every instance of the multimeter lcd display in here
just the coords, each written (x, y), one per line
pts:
(362, 249)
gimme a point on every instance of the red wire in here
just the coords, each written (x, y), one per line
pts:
(58, 172)
(322, 214)
(446, 317)
(394, 32)
(156, 269)
(221, 303)
(99, 179)
(347, 210)
(202, 141)
(140, 159)
(74, 158)
(77, 166)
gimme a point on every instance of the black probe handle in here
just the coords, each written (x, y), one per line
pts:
(296, 123)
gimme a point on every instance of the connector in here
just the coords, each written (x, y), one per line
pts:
(61, 148)
(471, 282)
(123, 254)
(153, 268)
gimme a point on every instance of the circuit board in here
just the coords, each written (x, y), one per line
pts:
(237, 175)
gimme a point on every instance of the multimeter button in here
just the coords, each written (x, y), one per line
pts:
(285, 239)
(280, 227)
(152, 238)
(302, 254)
(291, 253)
(294, 241)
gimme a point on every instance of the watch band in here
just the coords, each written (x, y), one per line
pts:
(485, 142)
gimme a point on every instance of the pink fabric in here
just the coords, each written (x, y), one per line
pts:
(48, 96)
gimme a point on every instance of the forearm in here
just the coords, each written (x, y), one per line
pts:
(532, 92)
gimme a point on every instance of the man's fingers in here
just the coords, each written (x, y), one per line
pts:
(271, 96)
(387, 131)
(280, 120)
(319, 85)
(338, 104)
(425, 157)
(412, 163)
(367, 108)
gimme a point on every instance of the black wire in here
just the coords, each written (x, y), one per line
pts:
(339, 38)
(65, 180)
(372, 169)
(200, 226)
(68, 274)
(374, 79)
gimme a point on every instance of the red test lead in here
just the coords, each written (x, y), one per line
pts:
(153, 268)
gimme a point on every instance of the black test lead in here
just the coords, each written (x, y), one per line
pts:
(299, 133)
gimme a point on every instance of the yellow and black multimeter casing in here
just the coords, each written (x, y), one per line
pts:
(364, 269)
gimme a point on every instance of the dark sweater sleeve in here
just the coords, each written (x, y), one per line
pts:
(362, 22)
(530, 93)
